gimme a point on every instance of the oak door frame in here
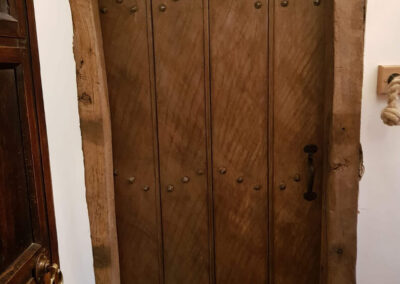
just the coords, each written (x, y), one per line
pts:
(343, 160)
(95, 122)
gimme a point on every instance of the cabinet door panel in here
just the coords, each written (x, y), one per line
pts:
(124, 27)
(12, 18)
(179, 62)
(299, 72)
(24, 211)
(239, 99)
(15, 226)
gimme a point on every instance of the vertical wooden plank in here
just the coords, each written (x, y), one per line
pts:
(329, 58)
(128, 62)
(344, 152)
(239, 92)
(96, 138)
(180, 83)
(299, 99)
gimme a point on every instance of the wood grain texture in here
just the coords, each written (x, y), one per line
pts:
(344, 138)
(23, 198)
(180, 83)
(41, 129)
(96, 138)
(27, 226)
(20, 271)
(15, 224)
(13, 18)
(213, 76)
(298, 120)
(129, 71)
(239, 99)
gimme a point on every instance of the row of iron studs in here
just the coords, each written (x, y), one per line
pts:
(163, 7)
(170, 188)
(222, 171)
(186, 179)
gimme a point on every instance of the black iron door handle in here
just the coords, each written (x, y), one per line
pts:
(310, 195)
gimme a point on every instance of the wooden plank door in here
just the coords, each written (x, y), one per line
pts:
(239, 99)
(299, 76)
(214, 102)
(159, 139)
(127, 55)
(181, 111)
(27, 227)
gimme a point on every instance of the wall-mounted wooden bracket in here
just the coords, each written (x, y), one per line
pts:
(384, 75)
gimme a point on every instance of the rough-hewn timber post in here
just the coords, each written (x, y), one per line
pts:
(96, 137)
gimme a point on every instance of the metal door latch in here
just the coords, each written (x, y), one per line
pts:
(311, 149)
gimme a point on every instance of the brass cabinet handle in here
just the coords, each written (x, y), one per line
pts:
(56, 275)
(310, 195)
(44, 267)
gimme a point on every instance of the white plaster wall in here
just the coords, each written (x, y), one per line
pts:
(54, 28)
(379, 205)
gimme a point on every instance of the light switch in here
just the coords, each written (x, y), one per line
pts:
(384, 73)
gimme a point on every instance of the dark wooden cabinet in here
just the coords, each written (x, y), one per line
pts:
(218, 121)
(12, 18)
(28, 243)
